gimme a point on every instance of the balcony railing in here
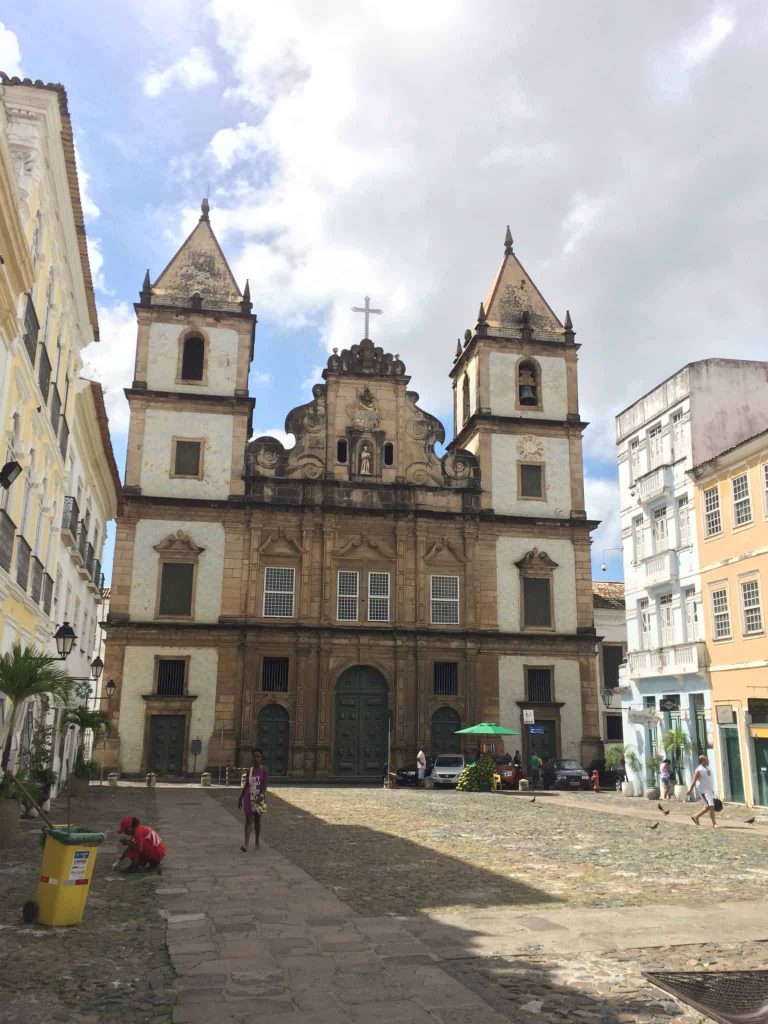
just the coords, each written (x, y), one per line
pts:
(55, 409)
(89, 557)
(31, 329)
(659, 481)
(681, 659)
(23, 555)
(660, 569)
(44, 373)
(98, 575)
(47, 593)
(82, 540)
(36, 579)
(7, 535)
(63, 437)
(69, 521)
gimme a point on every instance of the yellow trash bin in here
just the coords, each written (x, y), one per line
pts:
(65, 874)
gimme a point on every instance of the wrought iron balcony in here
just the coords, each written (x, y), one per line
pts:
(69, 521)
(89, 557)
(44, 373)
(55, 409)
(36, 579)
(7, 536)
(23, 555)
(47, 593)
(63, 437)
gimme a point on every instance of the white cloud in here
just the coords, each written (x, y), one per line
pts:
(192, 71)
(601, 496)
(10, 53)
(111, 361)
(90, 209)
(96, 260)
(707, 38)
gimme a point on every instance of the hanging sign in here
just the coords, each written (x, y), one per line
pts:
(643, 716)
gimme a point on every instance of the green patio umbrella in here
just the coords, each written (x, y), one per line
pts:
(487, 729)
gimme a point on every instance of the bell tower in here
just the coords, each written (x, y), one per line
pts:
(190, 409)
(516, 408)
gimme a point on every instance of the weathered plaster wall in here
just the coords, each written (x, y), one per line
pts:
(163, 362)
(510, 550)
(161, 426)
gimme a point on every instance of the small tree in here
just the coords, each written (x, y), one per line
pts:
(85, 719)
(621, 756)
(25, 672)
(677, 744)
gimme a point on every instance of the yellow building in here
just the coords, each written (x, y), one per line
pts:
(731, 495)
(53, 515)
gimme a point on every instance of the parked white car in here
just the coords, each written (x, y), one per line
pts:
(446, 770)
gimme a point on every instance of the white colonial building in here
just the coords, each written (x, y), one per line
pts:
(699, 411)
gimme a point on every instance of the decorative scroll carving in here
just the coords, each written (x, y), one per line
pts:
(365, 358)
(536, 560)
(178, 544)
(443, 545)
(280, 539)
(382, 547)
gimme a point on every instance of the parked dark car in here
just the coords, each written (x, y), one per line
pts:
(610, 778)
(567, 774)
(409, 776)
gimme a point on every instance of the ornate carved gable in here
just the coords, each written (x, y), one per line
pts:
(536, 561)
(365, 358)
(280, 542)
(179, 545)
(266, 456)
(442, 550)
(363, 547)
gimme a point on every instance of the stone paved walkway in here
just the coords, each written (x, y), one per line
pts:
(252, 936)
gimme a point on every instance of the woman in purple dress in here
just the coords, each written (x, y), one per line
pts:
(253, 798)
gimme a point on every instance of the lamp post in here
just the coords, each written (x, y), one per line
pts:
(97, 666)
(608, 695)
(65, 637)
(603, 564)
(8, 474)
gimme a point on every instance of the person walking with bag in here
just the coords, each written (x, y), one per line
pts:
(705, 786)
(253, 798)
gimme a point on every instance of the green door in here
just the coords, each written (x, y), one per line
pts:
(444, 740)
(734, 780)
(761, 770)
(273, 736)
(360, 722)
(166, 744)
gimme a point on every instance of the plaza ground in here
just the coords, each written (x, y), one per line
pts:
(367, 905)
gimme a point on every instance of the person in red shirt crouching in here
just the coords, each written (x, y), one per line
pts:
(143, 846)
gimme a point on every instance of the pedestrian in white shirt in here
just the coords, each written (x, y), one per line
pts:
(421, 766)
(705, 786)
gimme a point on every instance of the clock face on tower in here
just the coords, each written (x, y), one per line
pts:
(530, 447)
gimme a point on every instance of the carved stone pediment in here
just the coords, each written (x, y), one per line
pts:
(442, 549)
(280, 542)
(536, 561)
(178, 545)
(353, 544)
(365, 358)
(363, 546)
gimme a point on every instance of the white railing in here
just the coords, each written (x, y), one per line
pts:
(682, 659)
(660, 569)
(654, 483)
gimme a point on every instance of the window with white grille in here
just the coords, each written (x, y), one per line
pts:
(691, 615)
(644, 620)
(666, 622)
(639, 532)
(712, 523)
(655, 447)
(445, 600)
(347, 595)
(684, 521)
(677, 432)
(634, 457)
(660, 533)
(378, 597)
(742, 504)
(750, 603)
(279, 586)
(721, 617)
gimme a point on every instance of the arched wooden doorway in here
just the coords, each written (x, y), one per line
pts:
(360, 723)
(272, 735)
(444, 740)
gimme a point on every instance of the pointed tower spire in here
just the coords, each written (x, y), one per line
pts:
(145, 295)
(481, 314)
(458, 349)
(508, 242)
(205, 208)
(246, 305)
(568, 324)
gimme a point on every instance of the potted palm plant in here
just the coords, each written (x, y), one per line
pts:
(653, 764)
(25, 673)
(678, 745)
(619, 757)
(84, 719)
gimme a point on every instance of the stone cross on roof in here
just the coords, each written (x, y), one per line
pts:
(367, 310)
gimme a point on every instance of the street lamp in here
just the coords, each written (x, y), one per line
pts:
(603, 564)
(97, 667)
(8, 474)
(65, 638)
(608, 694)
(110, 688)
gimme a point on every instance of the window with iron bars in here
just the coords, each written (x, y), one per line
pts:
(274, 675)
(538, 685)
(445, 678)
(171, 677)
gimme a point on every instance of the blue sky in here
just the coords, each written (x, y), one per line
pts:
(382, 149)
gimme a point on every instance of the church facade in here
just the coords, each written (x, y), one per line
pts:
(357, 595)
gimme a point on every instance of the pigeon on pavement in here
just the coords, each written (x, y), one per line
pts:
(662, 809)
(750, 821)
(655, 826)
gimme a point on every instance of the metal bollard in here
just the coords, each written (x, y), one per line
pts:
(151, 780)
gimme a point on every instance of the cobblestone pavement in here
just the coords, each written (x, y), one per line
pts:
(113, 966)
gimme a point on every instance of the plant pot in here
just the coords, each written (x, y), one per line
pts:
(627, 789)
(653, 793)
(77, 786)
(9, 822)
(681, 792)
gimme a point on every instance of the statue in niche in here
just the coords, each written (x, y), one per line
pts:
(365, 460)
